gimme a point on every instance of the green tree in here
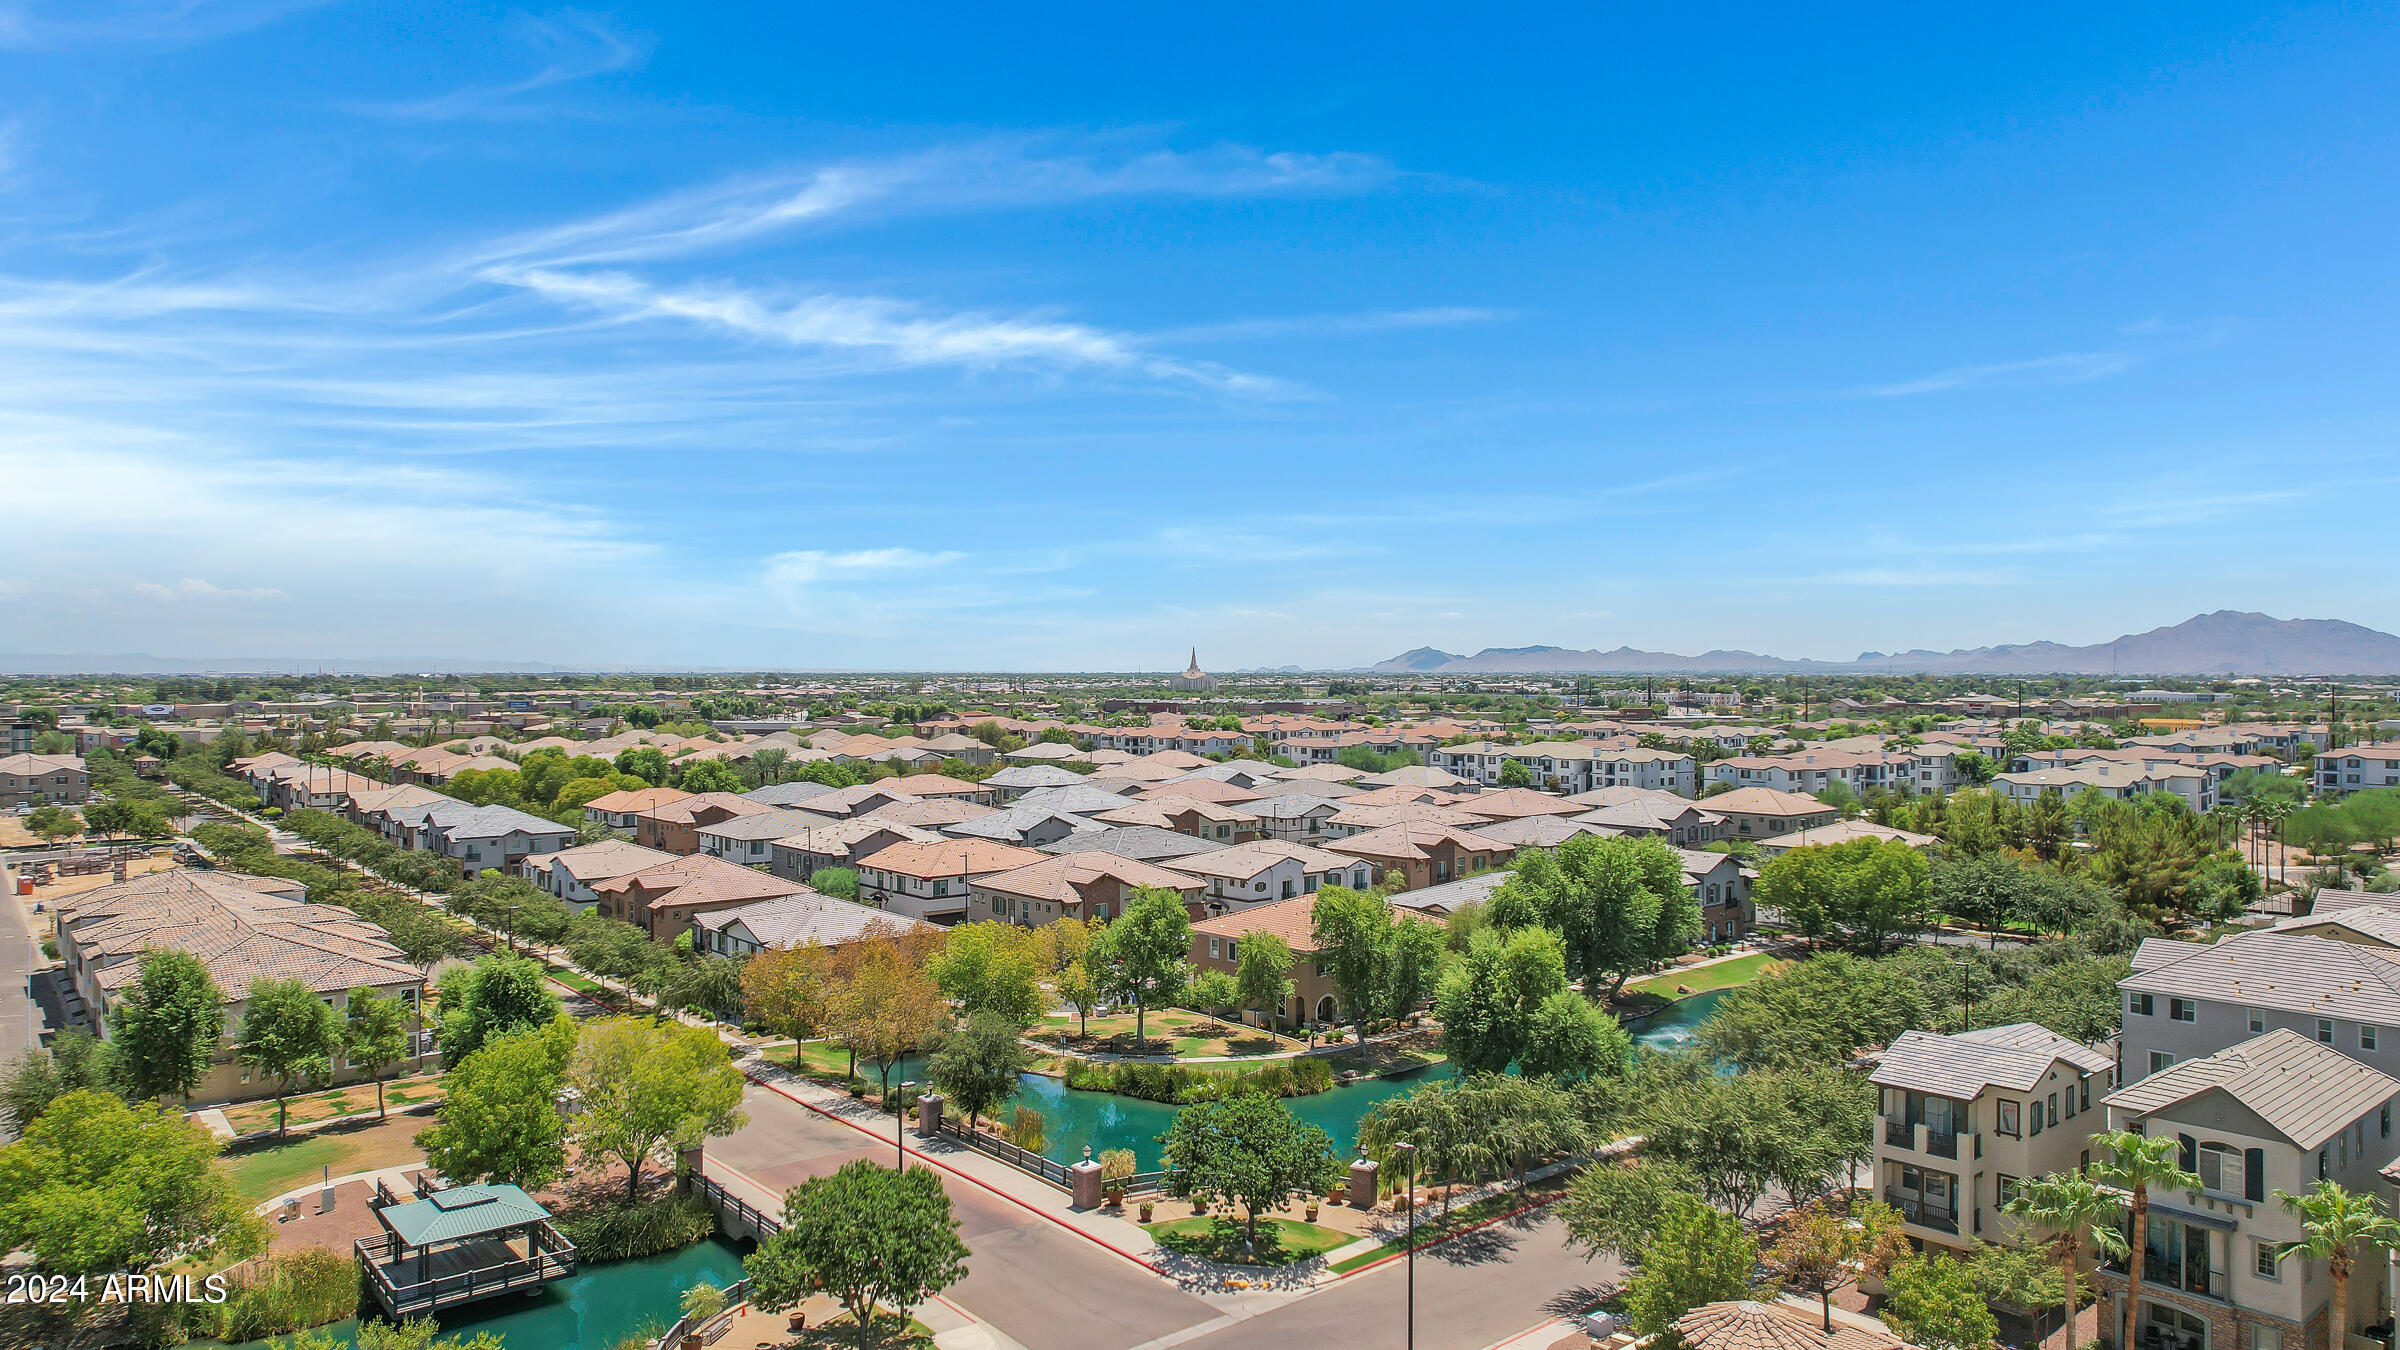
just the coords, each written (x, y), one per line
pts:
(712, 984)
(289, 1034)
(1488, 1002)
(1262, 974)
(1933, 1301)
(1822, 1247)
(1352, 932)
(647, 1086)
(1248, 1150)
(375, 1037)
(496, 996)
(2137, 1165)
(1820, 1011)
(1515, 774)
(499, 1118)
(1619, 903)
(1613, 1208)
(76, 1061)
(1213, 991)
(979, 1065)
(1863, 894)
(839, 882)
(1413, 965)
(1143, 955)
(644, 762)
(1568, 1037)
(1077, 989)
(1698, 1256)
(993, 967)
(166, 1025)
(98, 1185)
(2334, 1224)
(705, 775)
(53, 823)
(2072, 1206)
(867, 1235)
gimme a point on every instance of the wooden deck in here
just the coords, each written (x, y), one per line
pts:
(462, 1272)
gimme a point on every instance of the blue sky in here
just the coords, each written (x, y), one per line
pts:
(848, 336)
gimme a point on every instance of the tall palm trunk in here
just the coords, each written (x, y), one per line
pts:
(2340, 1325)
(2070, 1268)
(2133, 1273)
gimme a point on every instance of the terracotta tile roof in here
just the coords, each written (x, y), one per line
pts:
(1770, 1326)
(600, 861)
(1513, 803)
(1292, 920)
(840, 836)
(929, 814)
(797, 920)
(1397, 795)
(937, 785)
(699, 880)
(953, 857)
(1416, 839)
(1759, 801)
(1199, 789)
(1057, 876)
(239, 933)
(1355, 817)
(641, 799)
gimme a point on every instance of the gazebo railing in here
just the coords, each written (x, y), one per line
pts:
(552, 1258)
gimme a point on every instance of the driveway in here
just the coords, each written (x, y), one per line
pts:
(1036, 1282)
(20, 1020)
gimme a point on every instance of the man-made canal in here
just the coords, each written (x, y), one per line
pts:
(603, 1303)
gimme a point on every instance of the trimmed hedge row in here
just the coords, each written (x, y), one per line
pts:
(1183, 1084)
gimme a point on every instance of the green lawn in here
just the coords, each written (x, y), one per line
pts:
(1431, 1224)
(1219, 1238)
(1701, 979)
(1169, 1031)
(262, 1171)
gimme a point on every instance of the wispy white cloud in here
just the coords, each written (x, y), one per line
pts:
(194, 591)
(2063, 368)
(1010, 172)
(573, 46)
(805, 567)
(1315, 325)
(50, 25)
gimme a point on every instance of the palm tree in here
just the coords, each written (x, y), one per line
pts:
(2335, 1221)
(2073, 1204)
(2139, 1163)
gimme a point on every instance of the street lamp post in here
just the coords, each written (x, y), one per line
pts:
(1408, 1152)
(900, 1121)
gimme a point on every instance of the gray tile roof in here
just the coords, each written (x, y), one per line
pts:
(1082, 799)
(2015, 1056)
(1445, 899)
(239, 932)
(1290, 806)
(797, 920)
(1538, 831)
(2289, 972)
(1145, 843)
(2377, 923)
(776, 824)
(1031, 776)
(786, 794)
(2308, 1092)
(1010, 824)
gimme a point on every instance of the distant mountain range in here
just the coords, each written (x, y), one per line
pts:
(2228, 642)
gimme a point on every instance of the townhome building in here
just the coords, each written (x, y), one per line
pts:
(1201, 820)
(1760, 813)
(1814, 771)
(1217, 942)
(1515, 803)
(1262, 870)
(241, 930)
(620, 810)
(1965, 1119)
(784, 922)
(2115, 780)
(749, 840)
(838, 843)
(1018, 779)
(935, 881)
(1298, 817)
(1362, 813)
(1028, 827)
(1671, 819)
(571, 873)
(2357, 768)
(477, 838)
(1148, 843)
(1094, 884)
(43, 780)
(674, 827)
(1722, 885)
(2331, 977)
(2270, 1116)
(664, 900)
(312, 787)
(1419, 853)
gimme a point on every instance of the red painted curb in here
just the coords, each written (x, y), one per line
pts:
(1092, 1238)
(1436, 1242)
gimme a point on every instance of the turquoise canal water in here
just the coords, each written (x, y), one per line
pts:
(1072, 1119)
(591, 1311)
(602, 1303)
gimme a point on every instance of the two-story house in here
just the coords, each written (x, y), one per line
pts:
(1263, 870)
(2188, 1000)
(1093, 884)
(1420, 854)
(935, 881)
(2356, 768)
(43, 780)
(571, 873)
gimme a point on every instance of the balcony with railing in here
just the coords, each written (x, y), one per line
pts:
(1916, 1210)
(1917, 1137)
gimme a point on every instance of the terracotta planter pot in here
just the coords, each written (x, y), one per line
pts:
(1113, 1196)
(799, 1321)
(1312, 1211)
(1146, 1207)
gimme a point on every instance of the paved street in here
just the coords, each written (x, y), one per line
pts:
(1471, 1292)
(1037, 1283)
(19, 1016)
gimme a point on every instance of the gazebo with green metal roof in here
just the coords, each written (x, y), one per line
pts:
(458, 1245)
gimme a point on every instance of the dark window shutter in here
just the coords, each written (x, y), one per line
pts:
(2254, 1174)
(2188, 1149)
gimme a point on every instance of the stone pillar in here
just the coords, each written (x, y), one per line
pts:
(1086, 1176)
(687, 1167)
(1362, 1184)
(929, 1115)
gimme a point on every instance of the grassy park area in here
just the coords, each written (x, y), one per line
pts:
(267, 1169)
(1219, 1237)
(1171, 1031)
(356, 1099)
(1432, 1224)
(1703, 979)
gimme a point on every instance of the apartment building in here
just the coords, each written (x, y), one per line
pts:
(1814, 771)
(1758, 813)
(2271, 1115)
(43, 780)
(1966, 1118)
(2338, 773)
(2332, 978)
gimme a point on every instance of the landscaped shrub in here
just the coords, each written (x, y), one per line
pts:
(1028, 1130)
(1182, 1084)
(289, 1291)
(609, 1232)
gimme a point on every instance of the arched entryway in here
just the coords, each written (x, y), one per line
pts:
(1325, 1008)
